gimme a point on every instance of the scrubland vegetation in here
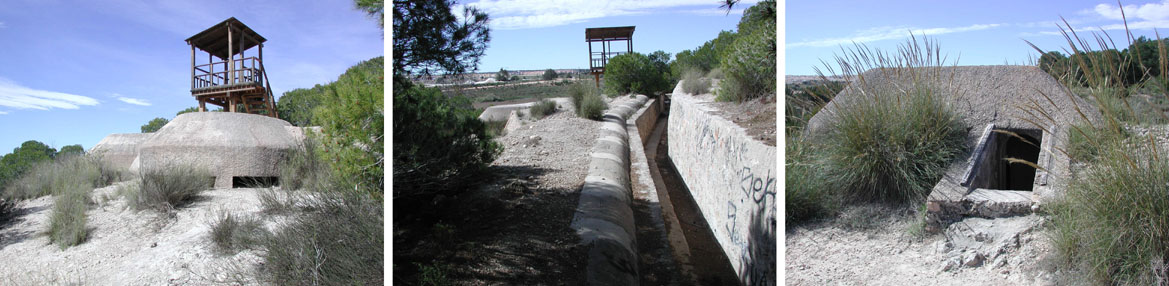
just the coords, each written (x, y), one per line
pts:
(1110, 227)
(890, 146)
(587, 101)
(542, 108)
(744, 60)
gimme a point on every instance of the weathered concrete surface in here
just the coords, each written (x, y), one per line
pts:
(228, 144)
(501, 112)
(121, 149)
(604, 218)
(732, 178)
(1005, 97)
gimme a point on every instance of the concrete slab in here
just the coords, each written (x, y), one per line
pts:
(120, 150)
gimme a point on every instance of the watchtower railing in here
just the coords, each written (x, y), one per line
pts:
(248, 70)
(600, 59)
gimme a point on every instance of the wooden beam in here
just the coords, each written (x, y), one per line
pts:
(230, 60)
(202, 105)
(192, 66)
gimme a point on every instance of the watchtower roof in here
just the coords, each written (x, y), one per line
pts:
(609, 33)
(214, 40)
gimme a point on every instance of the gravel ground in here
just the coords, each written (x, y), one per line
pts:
(975, 251)
(125, 247)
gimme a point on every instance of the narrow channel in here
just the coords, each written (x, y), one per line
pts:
(699, 258)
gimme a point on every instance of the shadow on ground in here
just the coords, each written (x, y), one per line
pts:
(509, 231)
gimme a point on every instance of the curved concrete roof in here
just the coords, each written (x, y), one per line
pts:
(121, 149)
(228, 144)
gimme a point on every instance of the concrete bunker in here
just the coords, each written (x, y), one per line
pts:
(1003, 160)
(1019, 100)
(241, 150)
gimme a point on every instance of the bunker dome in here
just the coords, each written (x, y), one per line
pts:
(237, 148)
(1011, 112)
(121, 149)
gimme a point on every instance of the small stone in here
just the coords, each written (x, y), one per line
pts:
(943, 246)
(972, 259)
(1000, 262)
(952, 264)
(153, 245)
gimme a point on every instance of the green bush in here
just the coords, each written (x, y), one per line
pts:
(439, 143)
(635, 73)
(694, 83)
(894, 143)
(296, 106)
(154, 125)
(750, 67)
(1113, 220)
(230, 233)
(549, 74)
(165, 189)
(303, 167)
(542, 108)
(578, 91)
(1111, 227)
(273, 201)
(352, 122)
(55, 176)
(592, 107)
(67, 219)
(340, 242)
(806, 194)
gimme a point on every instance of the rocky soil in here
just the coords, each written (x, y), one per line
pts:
(125, 247)
(975, 251)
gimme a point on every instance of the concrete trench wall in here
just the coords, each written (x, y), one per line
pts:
(604, 217)
(733, 179)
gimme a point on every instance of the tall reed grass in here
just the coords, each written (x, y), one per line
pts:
(1112, 225)
(892, 141)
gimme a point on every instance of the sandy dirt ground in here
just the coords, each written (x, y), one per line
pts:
(975, 251)
(126, 247)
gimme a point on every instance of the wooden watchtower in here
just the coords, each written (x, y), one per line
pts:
(606, 36)
(231, 79)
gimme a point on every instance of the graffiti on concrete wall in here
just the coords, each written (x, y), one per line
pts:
(733, 180)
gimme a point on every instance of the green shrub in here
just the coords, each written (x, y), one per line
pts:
(1111, 227)
(592, 107)
(231, 233)
(635, 73)
(542, 108)
(352, 123)
(549, 74)
(750, 67)
(894, 143)
(694, 83)
(276, 202)
(67, 219)
(807, 194)
(303, 167)
(578, 92)
(165, 189)
(1113, 220)
(340, 242)
(54, 176)
(439, 143)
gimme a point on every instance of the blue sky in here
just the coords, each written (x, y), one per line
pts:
(980, 32)
(72, 72)
(536, 34)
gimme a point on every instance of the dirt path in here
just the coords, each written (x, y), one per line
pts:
(1015, 251)
(127, 247)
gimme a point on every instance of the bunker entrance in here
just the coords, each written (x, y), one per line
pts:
(1001, 166)
(254, 182)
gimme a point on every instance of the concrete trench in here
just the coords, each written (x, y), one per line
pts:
(636, 217)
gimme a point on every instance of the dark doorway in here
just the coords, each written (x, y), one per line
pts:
(1002, 168)
(254, 182)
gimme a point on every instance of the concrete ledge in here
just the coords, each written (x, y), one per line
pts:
(604, 217)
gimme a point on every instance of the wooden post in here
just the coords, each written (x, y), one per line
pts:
(230, 102)
(590, 55)
(192, 66)
(202, 105)
(230, 60)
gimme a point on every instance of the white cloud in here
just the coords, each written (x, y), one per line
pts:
(16, 96)
(2, 25)
(886, 33)
(715, 12)
(526, 14)
(3, 112)
(134, 101)
(1140, 17)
